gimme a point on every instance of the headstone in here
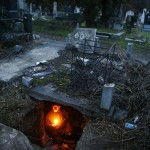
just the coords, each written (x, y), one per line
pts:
(76, 10)
(147, 19)
(83, 39)
(118, 26)
(130, 20)
(54, 8)
(143, 15)
(146, 26)
(18, 27)
(107, 95)
(128, 16)
(21, 4)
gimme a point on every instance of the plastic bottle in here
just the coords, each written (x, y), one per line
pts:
(130, 126)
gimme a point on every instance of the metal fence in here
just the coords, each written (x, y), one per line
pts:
(92, 63)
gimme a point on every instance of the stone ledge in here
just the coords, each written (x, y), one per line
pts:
(49, 93)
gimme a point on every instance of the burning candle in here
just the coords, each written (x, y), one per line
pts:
(54, 117)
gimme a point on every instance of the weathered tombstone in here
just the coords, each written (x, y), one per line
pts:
(128, 16)
(18, 27)
(54, 9)
(143, 15)
(83, 39)
(117, 26)
(147, 22)
(147, 19)
(27, 20)
(107, 95)
(21, 4)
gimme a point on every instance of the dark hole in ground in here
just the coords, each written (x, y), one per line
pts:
(54, 125)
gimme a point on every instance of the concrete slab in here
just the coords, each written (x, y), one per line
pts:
(117, 35)
(14, 67)
(93, 139)
(50, 93)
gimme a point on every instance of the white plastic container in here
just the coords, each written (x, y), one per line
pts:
(130, 126)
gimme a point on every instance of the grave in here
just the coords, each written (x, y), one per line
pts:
(118, 26)
(146, 26)
(83, 39)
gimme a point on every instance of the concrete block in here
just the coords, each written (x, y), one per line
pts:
(27, 81)
(18, 48)
(107, 95)
(36, 37)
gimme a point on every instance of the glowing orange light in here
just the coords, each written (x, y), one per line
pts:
(54, 117)
(55, 122)
(56, 108)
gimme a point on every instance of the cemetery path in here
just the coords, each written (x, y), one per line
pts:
(13, 67)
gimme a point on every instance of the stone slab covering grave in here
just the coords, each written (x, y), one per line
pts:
(49, 93)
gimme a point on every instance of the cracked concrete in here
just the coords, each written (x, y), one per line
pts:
(13, 67)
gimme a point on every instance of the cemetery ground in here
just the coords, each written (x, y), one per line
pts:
(131, 98)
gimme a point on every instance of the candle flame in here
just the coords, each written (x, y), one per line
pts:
(54, 117)
(55, 122)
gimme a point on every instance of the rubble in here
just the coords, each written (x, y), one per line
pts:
(18, 48)
(27, 81)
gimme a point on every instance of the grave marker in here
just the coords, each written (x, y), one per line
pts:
(83, 39)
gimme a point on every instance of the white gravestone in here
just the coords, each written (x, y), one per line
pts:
(83, 39)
